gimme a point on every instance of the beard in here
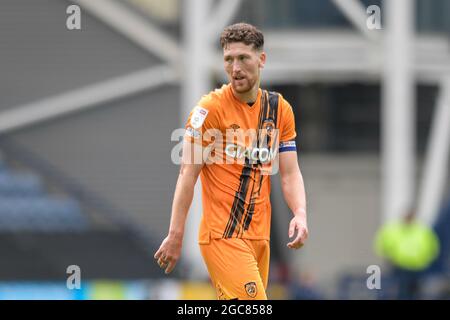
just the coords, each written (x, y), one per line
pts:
(242, 86)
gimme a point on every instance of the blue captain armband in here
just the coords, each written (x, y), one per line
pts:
(287, 146)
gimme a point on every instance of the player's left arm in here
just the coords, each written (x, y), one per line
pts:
(294, 193)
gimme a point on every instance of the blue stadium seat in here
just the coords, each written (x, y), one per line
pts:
(19, 184)
(25, 205)
(41, 214)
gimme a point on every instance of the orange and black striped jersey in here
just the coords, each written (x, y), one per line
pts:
(236, 194)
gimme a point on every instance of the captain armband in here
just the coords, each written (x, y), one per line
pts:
(287, 146)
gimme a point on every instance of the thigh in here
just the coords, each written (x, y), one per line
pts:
(262, 252)
(233, 269)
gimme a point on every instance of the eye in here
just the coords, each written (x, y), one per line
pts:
(228, 59)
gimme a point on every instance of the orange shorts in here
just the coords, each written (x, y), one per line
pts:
(238, 268)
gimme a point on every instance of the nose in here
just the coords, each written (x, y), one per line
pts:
(236, 67)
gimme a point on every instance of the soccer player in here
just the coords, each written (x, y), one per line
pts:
(235, 227)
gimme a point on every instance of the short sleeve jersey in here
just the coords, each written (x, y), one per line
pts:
(236, 194)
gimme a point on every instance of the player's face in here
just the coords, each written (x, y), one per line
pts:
(243, 66)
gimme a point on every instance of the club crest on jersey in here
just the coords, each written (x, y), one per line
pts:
(250, 288)
(269, 126)
(198, 117)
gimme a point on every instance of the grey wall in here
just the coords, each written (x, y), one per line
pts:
(344, 207)
(122, 150)
(343, 198)
(40, 57)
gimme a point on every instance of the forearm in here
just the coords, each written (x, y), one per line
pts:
(294, 192)
(184, 193)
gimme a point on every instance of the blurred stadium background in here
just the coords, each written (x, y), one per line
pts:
(86, 118)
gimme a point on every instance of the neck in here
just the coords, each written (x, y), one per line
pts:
(249, 96)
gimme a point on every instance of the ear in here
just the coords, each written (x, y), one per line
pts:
(262, 59)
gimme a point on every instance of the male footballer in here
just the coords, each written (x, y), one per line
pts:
(247, 128)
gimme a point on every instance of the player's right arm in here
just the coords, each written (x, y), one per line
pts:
(170, 250)
(201, 119)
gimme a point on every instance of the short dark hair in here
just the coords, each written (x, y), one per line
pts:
(242, 32)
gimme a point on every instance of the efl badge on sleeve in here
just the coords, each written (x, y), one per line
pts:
(198, 117)
(250, 288)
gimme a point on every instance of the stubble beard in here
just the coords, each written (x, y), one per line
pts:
(245, 88)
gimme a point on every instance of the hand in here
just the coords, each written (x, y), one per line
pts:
(168, 253)
(298, 223)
